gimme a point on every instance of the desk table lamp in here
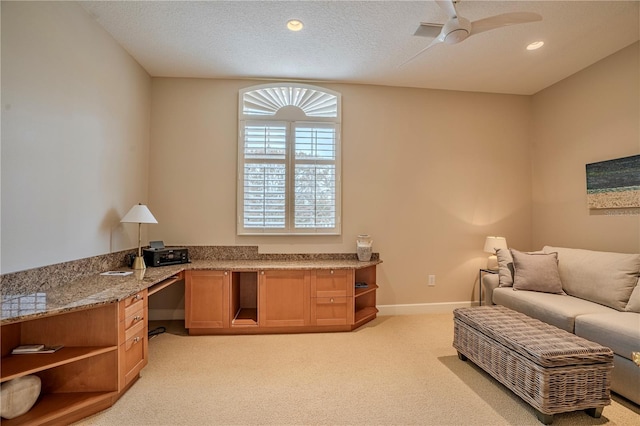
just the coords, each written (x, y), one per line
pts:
(491, 245)
(139, 214)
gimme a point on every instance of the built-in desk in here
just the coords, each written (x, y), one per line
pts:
(102, 321)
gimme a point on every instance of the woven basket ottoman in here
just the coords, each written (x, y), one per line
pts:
(551, 369)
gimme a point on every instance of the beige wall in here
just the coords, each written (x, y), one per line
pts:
(591, 116)
(75, 136)
(427, 173)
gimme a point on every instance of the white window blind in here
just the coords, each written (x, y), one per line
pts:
(289, 169)
(315, 176)
(264, 175)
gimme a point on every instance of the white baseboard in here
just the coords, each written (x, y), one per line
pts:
(422, 308)
(166, 314)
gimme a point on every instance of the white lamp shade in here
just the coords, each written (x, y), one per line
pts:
(492, 244)
(139, 214)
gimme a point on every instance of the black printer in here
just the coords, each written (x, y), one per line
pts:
(159, 255)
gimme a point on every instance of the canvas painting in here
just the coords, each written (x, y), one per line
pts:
(614, 184)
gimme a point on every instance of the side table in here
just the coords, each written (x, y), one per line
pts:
(480, 286)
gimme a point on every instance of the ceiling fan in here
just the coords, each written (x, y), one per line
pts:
(457, 28)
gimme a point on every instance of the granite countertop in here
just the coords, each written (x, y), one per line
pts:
(95, 289)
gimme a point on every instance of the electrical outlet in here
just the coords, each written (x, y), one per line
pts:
(432, 280)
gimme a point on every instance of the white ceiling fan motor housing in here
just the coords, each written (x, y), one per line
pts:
(456, 30)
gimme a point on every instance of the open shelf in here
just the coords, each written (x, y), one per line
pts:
(244, 299)
(20, 365)
(364, 314)
(62, 408)
(246, 317)
(362, 291)
(364, 299)
(79, 379)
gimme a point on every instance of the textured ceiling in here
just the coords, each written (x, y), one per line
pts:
(365, 41)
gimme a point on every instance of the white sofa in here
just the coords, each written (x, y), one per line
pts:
(597, 297)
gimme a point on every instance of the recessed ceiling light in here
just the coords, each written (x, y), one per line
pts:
(535, 45)
(294, 25)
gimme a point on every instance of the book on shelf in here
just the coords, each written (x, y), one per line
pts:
(35, 349)
(27, 349)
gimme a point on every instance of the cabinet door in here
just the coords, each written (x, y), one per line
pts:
(284, 298)
(207, 299)
(332, 283)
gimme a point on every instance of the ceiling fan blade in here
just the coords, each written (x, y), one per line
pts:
(503, 20)
(435, 41)
(449, 7)
(427, 29)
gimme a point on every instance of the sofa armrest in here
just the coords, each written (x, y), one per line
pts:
(490, 283)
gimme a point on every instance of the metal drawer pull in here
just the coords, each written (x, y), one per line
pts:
(137, 318)
(136, 339)
(136, 297)
(332, 300)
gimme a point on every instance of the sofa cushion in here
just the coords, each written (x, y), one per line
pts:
(634, 300)
(555, 309)
(585, 274)
(625, 377)
(619, 331)
(536, 272)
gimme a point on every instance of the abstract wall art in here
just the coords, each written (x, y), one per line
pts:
(614, 184)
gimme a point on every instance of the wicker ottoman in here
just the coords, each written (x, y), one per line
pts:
(552, 370)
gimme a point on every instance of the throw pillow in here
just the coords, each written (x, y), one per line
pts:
(505, 268)
(19, 395)
(536, 272)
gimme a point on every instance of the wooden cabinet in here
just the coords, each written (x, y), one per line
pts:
(77, 380)
(133, 338)
(332, 297)
(207, 299)
(104, 350)
(279, 301)
(284, 298)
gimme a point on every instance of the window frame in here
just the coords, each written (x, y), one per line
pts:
(285, 111)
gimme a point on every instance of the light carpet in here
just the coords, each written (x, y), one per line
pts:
(396, 370)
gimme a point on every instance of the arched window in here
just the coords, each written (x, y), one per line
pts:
(288, 160)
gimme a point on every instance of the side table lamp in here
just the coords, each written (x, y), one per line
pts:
(139, 214)
(491, 245)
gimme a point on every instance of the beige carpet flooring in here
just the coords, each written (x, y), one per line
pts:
(399, 370)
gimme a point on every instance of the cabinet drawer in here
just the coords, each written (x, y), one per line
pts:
(134, 354)
(133, 299)
(332, 283)
(133, 319)
(332, 310)
(132, 304)
(134, 330)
